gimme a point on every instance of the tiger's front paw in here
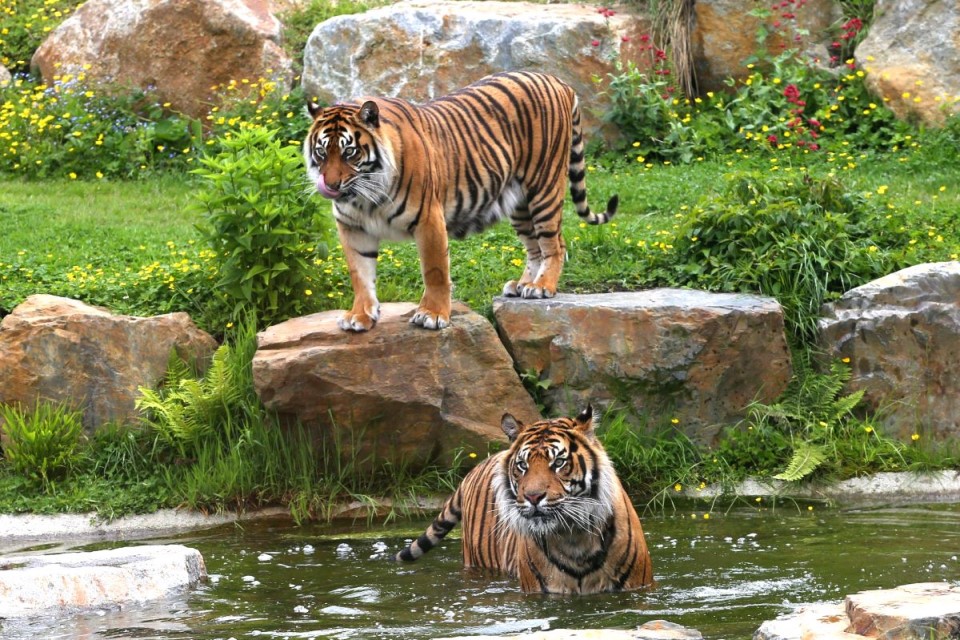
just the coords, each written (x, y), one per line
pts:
(359, 320)
(430, 319)
(514, 289)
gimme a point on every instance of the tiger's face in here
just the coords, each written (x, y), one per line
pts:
(344, 152)
(556, 475)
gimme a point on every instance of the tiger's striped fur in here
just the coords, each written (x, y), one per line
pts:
(549, 510)
(500, 148)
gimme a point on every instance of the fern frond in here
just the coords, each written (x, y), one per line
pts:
(806, 458)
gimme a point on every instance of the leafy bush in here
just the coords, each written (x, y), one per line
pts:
(263, 227)
(802, 240)
(818, 430)
(44, 440)
(67, 129)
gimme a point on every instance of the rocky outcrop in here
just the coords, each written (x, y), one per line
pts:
(60, 583)
(901, 334)
(912, 55)
(725, 34)
(925, 611)
(421, 49)
(693, 356)
(5, 76)
(653, 630)
(180, 48)
(62, 350)
(398, 392)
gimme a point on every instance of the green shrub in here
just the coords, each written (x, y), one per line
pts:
(262, 226)
(43, 441)
(801, 239)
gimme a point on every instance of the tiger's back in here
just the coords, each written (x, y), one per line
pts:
(549, 511)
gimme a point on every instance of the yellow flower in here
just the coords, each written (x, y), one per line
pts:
(677, 487)
(915, 437)
(674, 421)
(472, 455)
(706, 516)
(868, 429)
(73, 176)
(308, 292)
(229, 324)
(845, 360)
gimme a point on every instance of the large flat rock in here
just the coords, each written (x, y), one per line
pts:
(397, 393)
(698, 357)
(42, 584)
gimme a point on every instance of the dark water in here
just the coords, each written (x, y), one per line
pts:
(723, 576)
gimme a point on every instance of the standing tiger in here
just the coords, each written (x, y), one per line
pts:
(498, 148)
(549, 510)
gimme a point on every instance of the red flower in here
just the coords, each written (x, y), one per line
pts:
(814, 123)
(772, 139)
(792, 93)
(660, 54)
(595, 43)
(624, 38)
(645, 38)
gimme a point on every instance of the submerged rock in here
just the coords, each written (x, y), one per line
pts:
(698, 357)
(924, 611)
(55, 583)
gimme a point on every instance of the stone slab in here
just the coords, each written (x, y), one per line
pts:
(54, 583)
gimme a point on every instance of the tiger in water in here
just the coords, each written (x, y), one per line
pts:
(499, 148)
(550, 510)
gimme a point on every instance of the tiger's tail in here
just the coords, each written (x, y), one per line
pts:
(449, 517)
(578, 186)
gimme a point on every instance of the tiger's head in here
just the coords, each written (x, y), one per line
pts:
(346, 153)
(555, 476)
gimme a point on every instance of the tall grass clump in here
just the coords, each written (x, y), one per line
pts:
(44, 440)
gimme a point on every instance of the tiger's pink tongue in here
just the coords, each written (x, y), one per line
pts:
(324, 190)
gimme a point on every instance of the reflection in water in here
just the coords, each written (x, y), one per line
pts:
(723, 576)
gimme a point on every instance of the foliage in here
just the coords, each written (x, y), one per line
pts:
(43, 440)
(264, 230)
(801, 239)
(786, 102)
(26, 24)
(187, 411)
(819, 425)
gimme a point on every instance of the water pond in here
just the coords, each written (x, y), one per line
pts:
(723, 575)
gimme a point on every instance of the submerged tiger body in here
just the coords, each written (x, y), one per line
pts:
(550, 510)
(500, 148)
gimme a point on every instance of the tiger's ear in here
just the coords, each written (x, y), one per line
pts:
(370, 114)
(586, 420)
(510, 426)
(313, 109)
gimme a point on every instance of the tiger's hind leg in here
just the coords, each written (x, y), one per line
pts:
(522, 223)
(546, 249)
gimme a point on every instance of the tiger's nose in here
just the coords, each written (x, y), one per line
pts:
(535, 498)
